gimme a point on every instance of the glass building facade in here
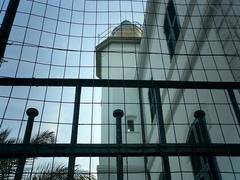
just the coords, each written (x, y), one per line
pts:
(113, 90)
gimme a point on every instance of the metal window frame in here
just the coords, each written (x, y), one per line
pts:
(162, 149)
(114, 150)
(73, 149)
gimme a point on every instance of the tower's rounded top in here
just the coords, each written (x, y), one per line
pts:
(126, 22)
(127, 29)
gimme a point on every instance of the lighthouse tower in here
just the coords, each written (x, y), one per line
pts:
(116, 58)
(116, 55)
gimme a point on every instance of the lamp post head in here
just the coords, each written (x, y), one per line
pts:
(32, 112)
(118, 113)
(199, 114)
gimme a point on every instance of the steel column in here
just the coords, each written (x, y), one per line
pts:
(71, 162)
(118, 114)
(143, 131)
(32, 113)
(200, 116)
(234, 104)
(162, 133)
(7, 25)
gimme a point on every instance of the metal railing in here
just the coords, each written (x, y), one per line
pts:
(118, 150)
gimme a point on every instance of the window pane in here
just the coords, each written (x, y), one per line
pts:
(130, 124)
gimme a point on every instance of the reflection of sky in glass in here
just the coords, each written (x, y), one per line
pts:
(56, 39)
(60, 37)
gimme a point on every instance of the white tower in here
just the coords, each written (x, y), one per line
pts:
(116, 55)
(116, 58)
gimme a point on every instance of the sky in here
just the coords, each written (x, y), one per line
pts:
(57, 39)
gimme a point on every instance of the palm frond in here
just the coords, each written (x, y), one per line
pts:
(4, 137)
(59, 172)
(45, 137)
(7, 165)
(47, 172)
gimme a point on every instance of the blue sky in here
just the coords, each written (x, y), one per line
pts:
(56, 39)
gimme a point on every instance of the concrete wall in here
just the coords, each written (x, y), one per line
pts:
(199, 35)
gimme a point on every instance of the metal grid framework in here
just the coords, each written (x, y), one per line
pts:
(161, 149)
(48, 57)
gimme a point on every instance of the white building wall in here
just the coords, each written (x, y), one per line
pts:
(205, 37)
(118, 61)
(194, 39)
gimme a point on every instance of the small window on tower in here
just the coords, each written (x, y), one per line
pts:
(130, 125)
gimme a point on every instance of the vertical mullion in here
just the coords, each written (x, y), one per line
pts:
(234, 104)
(118, 114)
(142, 119)
(71, 162)
(162, 133)
(32, 113)
(7, 25)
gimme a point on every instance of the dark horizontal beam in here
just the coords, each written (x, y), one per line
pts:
(118, 83)
(98, 150)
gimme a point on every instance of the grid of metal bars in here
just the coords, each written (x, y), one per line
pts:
(165, 147)
(162, 148)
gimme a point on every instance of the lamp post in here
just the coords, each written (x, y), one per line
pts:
(32, 113)
(118, 114)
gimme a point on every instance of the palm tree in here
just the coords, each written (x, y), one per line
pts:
(45, 172)
(60, 172)
(8, 166)
(45, 137)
